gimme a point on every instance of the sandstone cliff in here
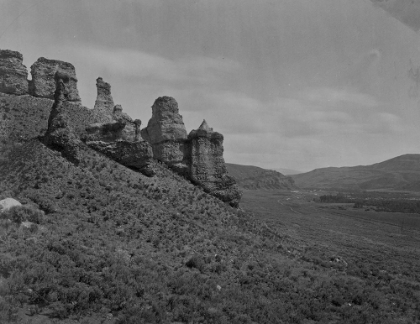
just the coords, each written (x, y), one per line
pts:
(13, 74)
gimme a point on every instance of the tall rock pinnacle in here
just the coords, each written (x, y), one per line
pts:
(207, 166)
(166, 131)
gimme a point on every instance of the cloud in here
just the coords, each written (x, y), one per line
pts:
(333, 97)
(324, 125)
(406, 11)
(142, 65)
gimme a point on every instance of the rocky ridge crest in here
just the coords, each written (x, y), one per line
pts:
(71, 127)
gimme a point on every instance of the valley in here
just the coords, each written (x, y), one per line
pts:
(353, 241)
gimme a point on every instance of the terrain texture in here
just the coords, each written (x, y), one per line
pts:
(400, 173)
(90, 233)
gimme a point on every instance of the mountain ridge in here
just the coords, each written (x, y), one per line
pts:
(398, 173)
(252, 178)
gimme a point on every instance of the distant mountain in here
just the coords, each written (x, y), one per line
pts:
(400, 173)
(252, 177)
(288, 171)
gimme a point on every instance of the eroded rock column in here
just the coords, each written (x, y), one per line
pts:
(43, 83)
(166, 132)
(207, 166)
(13, 74)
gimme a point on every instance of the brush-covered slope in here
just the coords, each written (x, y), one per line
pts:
(400, 173)
(252, 177)
(114, 246)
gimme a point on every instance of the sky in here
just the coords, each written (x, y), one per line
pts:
(297, 84)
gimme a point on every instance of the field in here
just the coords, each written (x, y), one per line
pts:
(333, 224)
(364, 242)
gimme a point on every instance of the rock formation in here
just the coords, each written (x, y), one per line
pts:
(60, 135)
(136, 155)
(207, 166)
(104, 104)
(43, 83)
(13, 74)
(166, 132)
(53, 112)
(198, 156)
(109, 139)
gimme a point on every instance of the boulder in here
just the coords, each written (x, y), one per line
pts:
(43, 83)
(8, 203)
(207, 166)
(166, 131)
(13, 74)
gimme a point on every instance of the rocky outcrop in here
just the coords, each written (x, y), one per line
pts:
(13, 74)
(135, 155)
(60, 134)
(104, 104)
(207, 167)
(43, 83)
(109, 139)
(198, 156)
(107, 132)
(49, 108)
(123, 145)
(166, 132)
(105, 111)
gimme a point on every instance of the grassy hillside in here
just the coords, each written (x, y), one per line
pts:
(400, 173)
(113, 246)
(252, 177)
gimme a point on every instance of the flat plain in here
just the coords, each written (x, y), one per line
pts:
(367, 243)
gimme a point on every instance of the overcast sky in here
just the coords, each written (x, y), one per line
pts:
(297, 84)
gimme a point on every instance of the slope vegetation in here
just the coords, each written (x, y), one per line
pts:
(114, 246)
(400, 173)
(252, 177)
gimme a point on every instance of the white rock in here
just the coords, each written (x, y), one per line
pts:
(8, 203)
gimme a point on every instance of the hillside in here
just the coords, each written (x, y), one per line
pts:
(122, 225)
(288, 171)
(252, 177)
(400, 173)
(115, 246)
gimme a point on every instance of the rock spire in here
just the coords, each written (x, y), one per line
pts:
(166, 131)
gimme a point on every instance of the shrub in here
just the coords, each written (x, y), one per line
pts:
(19, 214)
